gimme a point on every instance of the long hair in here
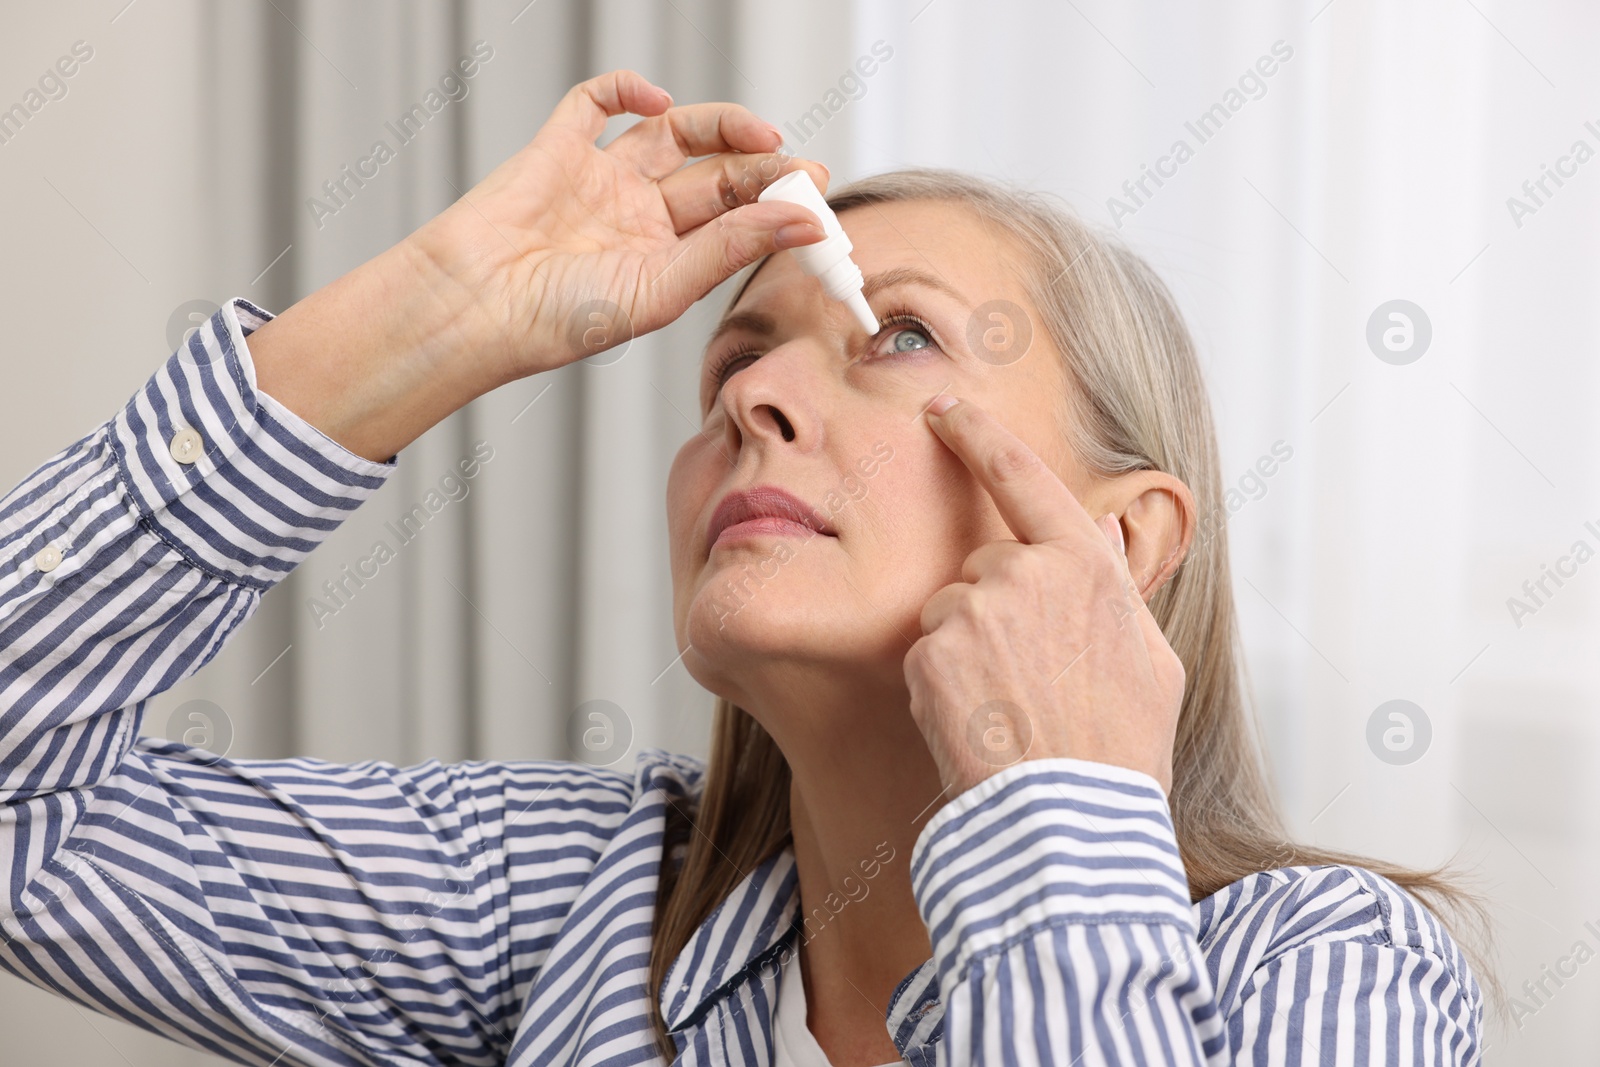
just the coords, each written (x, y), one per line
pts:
(1135, 401)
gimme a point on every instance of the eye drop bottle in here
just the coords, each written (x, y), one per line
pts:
(827, 260)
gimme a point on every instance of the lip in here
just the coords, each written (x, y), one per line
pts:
(763, 509)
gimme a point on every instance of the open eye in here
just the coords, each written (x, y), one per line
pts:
(911, 328)
(910, 333)
(911, 338)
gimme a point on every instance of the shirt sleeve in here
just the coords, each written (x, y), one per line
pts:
(1058, 909)
(269, 911)
(1355, 1002)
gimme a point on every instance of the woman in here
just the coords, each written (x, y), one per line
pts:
(944, 581)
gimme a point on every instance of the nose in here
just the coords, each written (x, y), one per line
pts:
(767, 401)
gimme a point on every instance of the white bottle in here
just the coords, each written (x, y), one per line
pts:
(827, 260)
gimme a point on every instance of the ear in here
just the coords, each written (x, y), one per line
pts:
(1157, 513)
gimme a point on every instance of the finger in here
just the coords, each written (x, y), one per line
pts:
(677, 276)
(1035, 504)
(701, 191)
(587, 105)
(988, 559)
(1111, 526)
(660, 145)
(941, 604)
(1163, 660)
(1155, 640)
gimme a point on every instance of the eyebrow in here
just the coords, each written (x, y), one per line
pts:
(908, 276)
(764, 325)
(750, 321)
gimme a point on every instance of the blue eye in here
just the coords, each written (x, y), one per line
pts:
(910, 332)
(904, 331)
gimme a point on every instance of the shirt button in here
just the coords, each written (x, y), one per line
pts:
(47, 558)
(187, 446)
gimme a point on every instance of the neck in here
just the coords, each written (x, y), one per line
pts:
(864, 784)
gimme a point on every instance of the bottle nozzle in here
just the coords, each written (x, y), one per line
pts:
(862, 311)
(827, 260)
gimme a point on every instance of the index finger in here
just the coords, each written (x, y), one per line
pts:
(587, 105)
(701, 191)
(660, 145)
(1035, 504)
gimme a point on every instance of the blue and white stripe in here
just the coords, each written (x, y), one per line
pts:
(304, 912)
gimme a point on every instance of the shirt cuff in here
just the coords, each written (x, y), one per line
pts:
(225, 474)
(1045, 842)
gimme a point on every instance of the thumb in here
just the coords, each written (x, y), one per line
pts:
(679, 275)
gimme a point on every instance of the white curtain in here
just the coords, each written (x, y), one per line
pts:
(1406, 502)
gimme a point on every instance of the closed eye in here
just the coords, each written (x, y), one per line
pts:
(724, 366)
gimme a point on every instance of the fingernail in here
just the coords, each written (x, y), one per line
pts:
(776, 132)
(1113, 529)
(797, 233)
(941, 404)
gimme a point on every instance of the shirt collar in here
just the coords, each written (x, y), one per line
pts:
(753, 922)
(916, 1015)
(751, 926)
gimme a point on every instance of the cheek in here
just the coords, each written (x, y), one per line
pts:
(925, 513)
(692, 478)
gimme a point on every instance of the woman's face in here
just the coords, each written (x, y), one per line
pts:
(795, 397)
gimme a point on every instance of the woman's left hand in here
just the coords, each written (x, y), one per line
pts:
(1045, 648)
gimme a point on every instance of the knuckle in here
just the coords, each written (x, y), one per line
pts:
(1017, 565)
(738, 246)
(742, 182)
(973, 607)
(1011, 463)
(938, 608)
(930, 648)
(679, 134)
(914, 664)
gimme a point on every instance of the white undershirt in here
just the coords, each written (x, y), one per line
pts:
(792, 1043)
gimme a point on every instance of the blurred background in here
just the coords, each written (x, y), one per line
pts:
(1381, 233)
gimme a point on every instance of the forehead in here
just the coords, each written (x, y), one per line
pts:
(941, 238)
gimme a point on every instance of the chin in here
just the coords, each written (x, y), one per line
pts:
(817, 620)
(723, 624)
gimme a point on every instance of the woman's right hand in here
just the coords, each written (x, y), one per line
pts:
(567, 249)
(562, 251)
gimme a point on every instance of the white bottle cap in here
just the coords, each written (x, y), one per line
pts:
(827, 260)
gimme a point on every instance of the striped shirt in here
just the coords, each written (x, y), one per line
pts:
(298, 911)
